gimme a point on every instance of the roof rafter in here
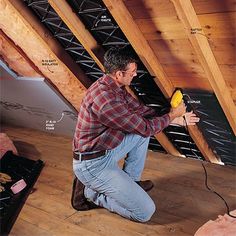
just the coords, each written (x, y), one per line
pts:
(78, 29)
(141, 46)
(38, 44)
(206, 57)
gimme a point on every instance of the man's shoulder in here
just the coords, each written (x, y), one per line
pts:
(100, 87)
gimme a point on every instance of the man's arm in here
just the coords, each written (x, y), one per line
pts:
(139, 107)
(117, 115)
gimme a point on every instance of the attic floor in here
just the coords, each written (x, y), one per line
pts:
(182, 200)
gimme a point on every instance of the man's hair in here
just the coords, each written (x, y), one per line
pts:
(117, 59)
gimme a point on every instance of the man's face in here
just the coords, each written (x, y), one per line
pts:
(126, 76)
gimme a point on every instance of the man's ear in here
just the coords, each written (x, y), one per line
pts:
(118, 74)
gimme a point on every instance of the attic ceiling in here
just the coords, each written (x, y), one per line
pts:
(178, 44)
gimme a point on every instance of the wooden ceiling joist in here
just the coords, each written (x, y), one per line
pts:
(124, 19)
(19, 24)
(200, 43)
(91, 46)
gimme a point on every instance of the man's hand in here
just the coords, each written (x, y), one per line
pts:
(179, 111)
(190, 119)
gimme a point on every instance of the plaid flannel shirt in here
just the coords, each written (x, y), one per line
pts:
(107, 113)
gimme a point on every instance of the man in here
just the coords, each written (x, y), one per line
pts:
(111, 125)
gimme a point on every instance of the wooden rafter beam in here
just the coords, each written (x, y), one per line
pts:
(167, 145)
(78, 29)
(91, 46)
(204, 148)
(19, 24)
(200, 43)
(141, 46)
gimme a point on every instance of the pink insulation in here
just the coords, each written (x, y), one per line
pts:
(223, 226)
(6, 145)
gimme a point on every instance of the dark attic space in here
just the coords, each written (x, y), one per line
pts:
(118, 117)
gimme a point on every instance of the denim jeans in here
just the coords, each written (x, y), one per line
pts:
(113, 188)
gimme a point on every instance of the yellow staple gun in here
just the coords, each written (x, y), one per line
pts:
(176, 99)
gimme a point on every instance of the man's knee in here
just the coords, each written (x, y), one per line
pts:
(149, 211)
(146, 213)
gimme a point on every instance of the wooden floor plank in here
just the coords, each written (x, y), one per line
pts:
(51, 223)
(52, 205)
(103, 222)
(25, 228)
(182, 200)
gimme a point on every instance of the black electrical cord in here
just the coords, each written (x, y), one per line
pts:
(206, 184)
(206, 176)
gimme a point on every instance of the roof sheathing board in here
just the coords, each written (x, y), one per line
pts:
(156, 18)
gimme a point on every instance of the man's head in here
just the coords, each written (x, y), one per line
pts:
(120, 65)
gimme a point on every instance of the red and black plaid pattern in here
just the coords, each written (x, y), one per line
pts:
(107, 113)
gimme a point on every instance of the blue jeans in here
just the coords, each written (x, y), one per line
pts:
(114, 188)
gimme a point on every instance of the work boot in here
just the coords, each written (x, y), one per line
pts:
(146, 185)
(78, 201)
